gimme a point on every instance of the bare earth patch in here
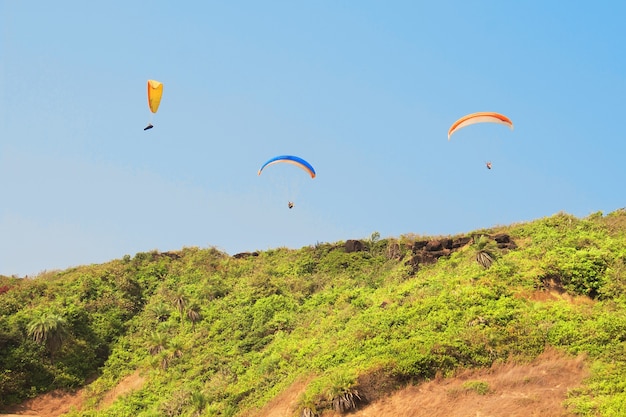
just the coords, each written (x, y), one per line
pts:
(57, 403)
(130, 383)
(284, 404)
(510, 390)
(52, 404)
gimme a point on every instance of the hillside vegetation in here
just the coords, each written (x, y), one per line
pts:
(219, 335)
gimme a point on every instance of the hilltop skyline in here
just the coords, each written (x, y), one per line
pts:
(365, 93)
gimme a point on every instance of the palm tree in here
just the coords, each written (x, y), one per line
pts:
(160, 311)
(176, 350)
(158, 343)
(193, 315)
(180, 302)
(484, 256)
(167, 357)
(49, 329)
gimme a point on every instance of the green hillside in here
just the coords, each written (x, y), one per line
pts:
(219, 335)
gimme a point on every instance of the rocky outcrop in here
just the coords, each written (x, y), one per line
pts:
(425, 252)
(354, 246)
(504, 241)
(245, 255)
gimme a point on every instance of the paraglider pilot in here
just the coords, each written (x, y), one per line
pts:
(488, 165)
(290, 205)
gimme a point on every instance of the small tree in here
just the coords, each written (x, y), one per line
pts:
(193, 315)
(49, 329)
(484, 254)
(160, 311)
(158, 343)
(180, 302)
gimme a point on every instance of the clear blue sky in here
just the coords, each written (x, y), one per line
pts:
(363, 90)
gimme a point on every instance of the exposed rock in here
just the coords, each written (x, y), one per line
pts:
(502, 238)
(434, 245)
(155, 255)
(394, 251)
(504, 241)
(425, 257)
(354, 246)
(459, 242)
(438, 254)
(414, 263)
(420, 244)
(427, 252)
(245, 255)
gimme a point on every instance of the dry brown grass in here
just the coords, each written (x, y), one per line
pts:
(52, 404)
(130, 383)
(284, 404)
(57, 403)
(514, 390)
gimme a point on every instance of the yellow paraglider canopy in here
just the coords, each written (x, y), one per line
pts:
(155, 91)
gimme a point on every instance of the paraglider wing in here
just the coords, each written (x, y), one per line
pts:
(480, 117)
(290, 159)
(155, 91)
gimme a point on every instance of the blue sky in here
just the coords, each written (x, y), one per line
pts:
(365, 91)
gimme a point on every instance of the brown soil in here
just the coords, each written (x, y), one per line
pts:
(57, 403)
(52, 404)
(535, 389)
(130, 383)
(283, 404)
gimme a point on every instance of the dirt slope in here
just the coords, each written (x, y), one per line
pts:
(535, 389)
(52, 404)
(538, 389)
(57, 403)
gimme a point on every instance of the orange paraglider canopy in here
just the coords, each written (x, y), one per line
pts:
(480, 117)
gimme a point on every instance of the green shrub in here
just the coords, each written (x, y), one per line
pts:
(479, 387)
(579, 271)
